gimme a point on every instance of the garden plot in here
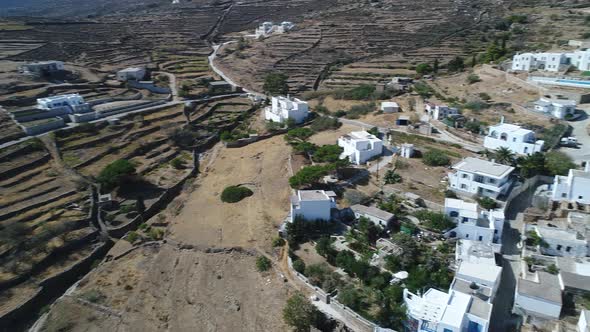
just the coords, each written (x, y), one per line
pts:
(43, 220)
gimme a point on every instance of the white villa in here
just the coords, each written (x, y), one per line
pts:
(474, 223)
(375, 215)
(440, 112)
(389, 107)
(556, 107)
(131, 74)
(283, 108)
(360, 146)
(575, 187)
(313, 205)
(454, 311)
(473, 176)
(72, 101)
(267, 28)
(538, 294)
(552, 62)
(514, 138)
(567, 237)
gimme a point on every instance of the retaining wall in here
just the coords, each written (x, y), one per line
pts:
(148, 86)
(22, 168)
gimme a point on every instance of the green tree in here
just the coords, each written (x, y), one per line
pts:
(457, 64)
(558, 163)
(423, 69)
(531, 165)
(435, 66)
(487, 203)
(298, 135)
(309, 175)
(324, 247)
(435, 157)
(299, 265)
(115, 173)
(276, 84)
(327, 153)
(234, 194)
(300, 314)
(505, 156)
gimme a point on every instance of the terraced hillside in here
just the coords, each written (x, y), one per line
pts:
(44, 220)
(388, 32)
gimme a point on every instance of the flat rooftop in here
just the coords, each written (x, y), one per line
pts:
(483, 167)
(316, 195)
(545, 288)
(475, 252)
(372, 211)
(487, 272)
(361, 135)
(510, 128)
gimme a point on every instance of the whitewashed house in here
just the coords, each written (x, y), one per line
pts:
(552, 62)
(473, 176)
(575, 187)
(556, 107)
(131, 74)
(482, 280)
(360, 146)
(313, 205)
(284, 108)
(285, 26)
(389, 107)
(454, 311)
(375, 215)
(264, 29)
(71, 101)
(564, 237)
(514, 138)
(538, 294)
(407, 150)
(42, 67)
(440, 112)
(474, 223)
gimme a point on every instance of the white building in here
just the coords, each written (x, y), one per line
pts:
(454, 311)
(575, 187)
(131, 74)
(564, 237)
(42, 67)
(482, 280)
(407, 150)
(72, 100)
(552, 62)
(375, 215)
(360, 146)
(538, 294)
(267, 28)
(440, 112)
(283, 108)
(556, 107)
(512, 137)
(389, 107)
(473, 176)
(312, 205)
(474, 223)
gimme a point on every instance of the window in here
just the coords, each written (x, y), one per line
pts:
(558, 247)
(564, 195)
(466, 236)
(447, 330)
(463, 186)
(491, 180)
(480, 238)
(465, 176)
(495, 231)
(568, 249)
(465, 219)
(580, 197)
(454, 214)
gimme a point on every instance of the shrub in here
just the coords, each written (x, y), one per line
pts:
(552, 269)
(309, 175)
(434, 220)
(340, 113)
(115, 173)
(457, 64)
(361, 92)
(298, 134)
(299, 266)
(177, 163)
(473, 78)
(325, 123)
(424, 69)
(132, 237)
(473, 126)
(435, 157)
(263, 264)
(233, 194)
(391, 177)
(487, 203)
(558, 163)
(357, 110)
(327, 153)
(278, 242)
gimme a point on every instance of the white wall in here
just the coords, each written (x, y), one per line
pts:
(538, 307)
(312, 210)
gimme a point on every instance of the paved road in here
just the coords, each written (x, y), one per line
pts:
(580, 131)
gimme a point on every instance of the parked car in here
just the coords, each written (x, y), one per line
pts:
(569, 141)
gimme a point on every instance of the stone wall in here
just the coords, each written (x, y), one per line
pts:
(148, 85)
(22, 168)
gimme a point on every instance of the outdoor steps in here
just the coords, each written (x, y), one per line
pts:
(23, 210)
